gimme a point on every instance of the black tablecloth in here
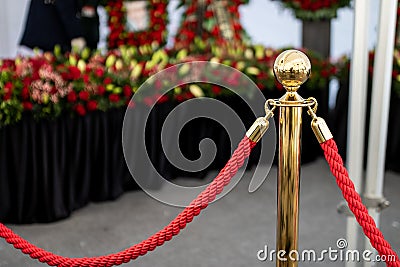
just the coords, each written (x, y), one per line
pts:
(50, 168)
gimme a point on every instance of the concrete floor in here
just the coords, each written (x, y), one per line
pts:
(229, 232)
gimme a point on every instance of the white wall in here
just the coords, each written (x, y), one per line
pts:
(4, 38)
(269, 24)
(266, 22)
(12, 20)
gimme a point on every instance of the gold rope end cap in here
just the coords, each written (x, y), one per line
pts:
(321, 130)
(258, 129)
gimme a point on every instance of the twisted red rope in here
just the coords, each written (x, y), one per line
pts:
(166, 234)
(356, 206)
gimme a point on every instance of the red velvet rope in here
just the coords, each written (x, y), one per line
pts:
(140, 249)
(354, 201)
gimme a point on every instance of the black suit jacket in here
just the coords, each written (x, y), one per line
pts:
(90, 25)
(49, 24)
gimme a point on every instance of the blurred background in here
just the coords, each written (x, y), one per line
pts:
(267, 23)
(68, 71)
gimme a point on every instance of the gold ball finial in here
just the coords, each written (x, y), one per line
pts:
(292, 68)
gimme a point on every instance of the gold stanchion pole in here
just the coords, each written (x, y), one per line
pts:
(292, 68)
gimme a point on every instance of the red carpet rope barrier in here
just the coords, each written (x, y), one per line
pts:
(140, 249)
(354, 201)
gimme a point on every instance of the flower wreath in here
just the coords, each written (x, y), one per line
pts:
(194, 30)
(156, 35)
(315, 9)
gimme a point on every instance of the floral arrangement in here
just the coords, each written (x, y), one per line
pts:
(158, 20)
(51, 84)
(315, 9)
(396, 72)
(343, 66)
(202, 21)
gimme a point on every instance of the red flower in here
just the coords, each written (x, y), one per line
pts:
(215, 31)
(71, 97)
(27, 105)
(35, 75)
(188, 95)
(233, 80)
(99, 72)
(107, 80)
(27, 81)
(113, 98)
(208, 14)
(8, 87)
(53, 90)
(131, 104)
(65, 76)
(91, 105)
(237, 27)
(25, 92)
(333, 70)
(216, 89)
(180, 98)
(86, 78)
(80, 109)
(7, 96)
(191, 9)
(101, 90)
(162, 99)
(324, 73)
(75, 72)
(127, 91)
(158, 85)
(148, 101)
(84, 95)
